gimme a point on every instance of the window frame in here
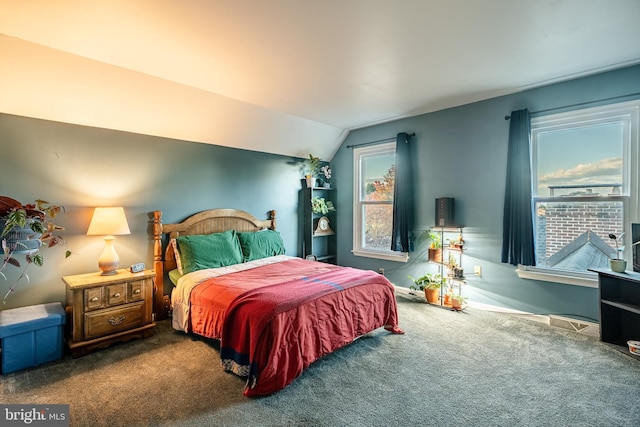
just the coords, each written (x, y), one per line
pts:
(359, 203)
(629, 114)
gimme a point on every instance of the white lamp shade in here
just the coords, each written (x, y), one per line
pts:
(108, 221)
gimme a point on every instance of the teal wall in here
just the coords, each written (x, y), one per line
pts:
(461, 152)
(82, 167)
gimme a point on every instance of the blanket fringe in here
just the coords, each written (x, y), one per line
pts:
(394, 329)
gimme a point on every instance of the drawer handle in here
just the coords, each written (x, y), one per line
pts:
(115, 322)
(94, 299)
(117, 295)
(137, 291)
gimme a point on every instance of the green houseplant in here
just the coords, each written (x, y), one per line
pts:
(25, 228)
(313, 167)
(435, 247)
(430, 284)
(457, 301)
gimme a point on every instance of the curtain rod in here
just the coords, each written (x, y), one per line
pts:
(377, 142)
(613, 98)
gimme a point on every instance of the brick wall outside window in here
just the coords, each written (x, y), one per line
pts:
(559, 223)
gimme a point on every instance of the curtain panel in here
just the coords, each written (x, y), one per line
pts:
(403, 196)
(517, 231)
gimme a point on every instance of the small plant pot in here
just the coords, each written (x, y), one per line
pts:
(618, 265)
(447, 299)
(21, 240)
(435, 255)
(432, 294)
(311, 182)
(456, 304)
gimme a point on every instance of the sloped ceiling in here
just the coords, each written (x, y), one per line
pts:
(292, 77)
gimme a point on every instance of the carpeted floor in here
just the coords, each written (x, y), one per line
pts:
(473, 368)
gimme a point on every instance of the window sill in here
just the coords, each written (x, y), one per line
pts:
(389, 256)
(586, 280)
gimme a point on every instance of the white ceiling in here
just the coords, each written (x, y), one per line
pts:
(292, 76)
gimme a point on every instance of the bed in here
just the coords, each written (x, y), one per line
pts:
(273, 314)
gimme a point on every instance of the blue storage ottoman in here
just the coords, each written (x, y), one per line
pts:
(31, 336)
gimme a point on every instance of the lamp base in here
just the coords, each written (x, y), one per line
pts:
(109, 273)
(109, 260)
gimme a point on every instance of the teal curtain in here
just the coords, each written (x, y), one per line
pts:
(403, 196)
(517, 222)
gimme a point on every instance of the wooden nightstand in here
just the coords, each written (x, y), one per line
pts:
(102, 310)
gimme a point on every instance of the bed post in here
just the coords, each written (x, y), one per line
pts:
(159, 305)
(273, 219)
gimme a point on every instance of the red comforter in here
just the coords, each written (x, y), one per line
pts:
(275, 320)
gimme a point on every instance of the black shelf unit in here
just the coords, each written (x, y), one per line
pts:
(619, 308)
(322, 247)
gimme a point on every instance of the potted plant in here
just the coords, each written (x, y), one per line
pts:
(618, 264)
(457, 301)
(447, 297)
(312, 171)
(25, 228)
(430, 284)
(435, 248)
(452, 264)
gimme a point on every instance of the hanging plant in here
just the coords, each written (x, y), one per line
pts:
(25, 228)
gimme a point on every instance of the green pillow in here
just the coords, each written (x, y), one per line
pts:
(198, 252)
(260, 244)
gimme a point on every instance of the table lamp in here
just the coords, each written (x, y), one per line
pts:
(108, 222)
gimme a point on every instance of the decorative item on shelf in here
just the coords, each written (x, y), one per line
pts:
(435, 248)
(108, 221)
(330, 206)
(319, 205)
(322, 227)
(618, 264)
(430, 284)
(445, 212)
(326, 171)
(25, 228)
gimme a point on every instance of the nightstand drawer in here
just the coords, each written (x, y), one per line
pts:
(116, 294)
(136, 290)
(109, 321)
(93, 298)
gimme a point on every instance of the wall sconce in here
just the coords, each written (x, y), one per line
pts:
(108, 222)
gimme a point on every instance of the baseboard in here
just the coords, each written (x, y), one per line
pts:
(580, 326)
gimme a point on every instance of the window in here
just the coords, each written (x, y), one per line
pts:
(374, 179)
(585, 187)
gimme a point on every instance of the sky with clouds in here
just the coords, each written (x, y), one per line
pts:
(580, 156)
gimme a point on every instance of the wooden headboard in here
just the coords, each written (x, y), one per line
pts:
(205, 222)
